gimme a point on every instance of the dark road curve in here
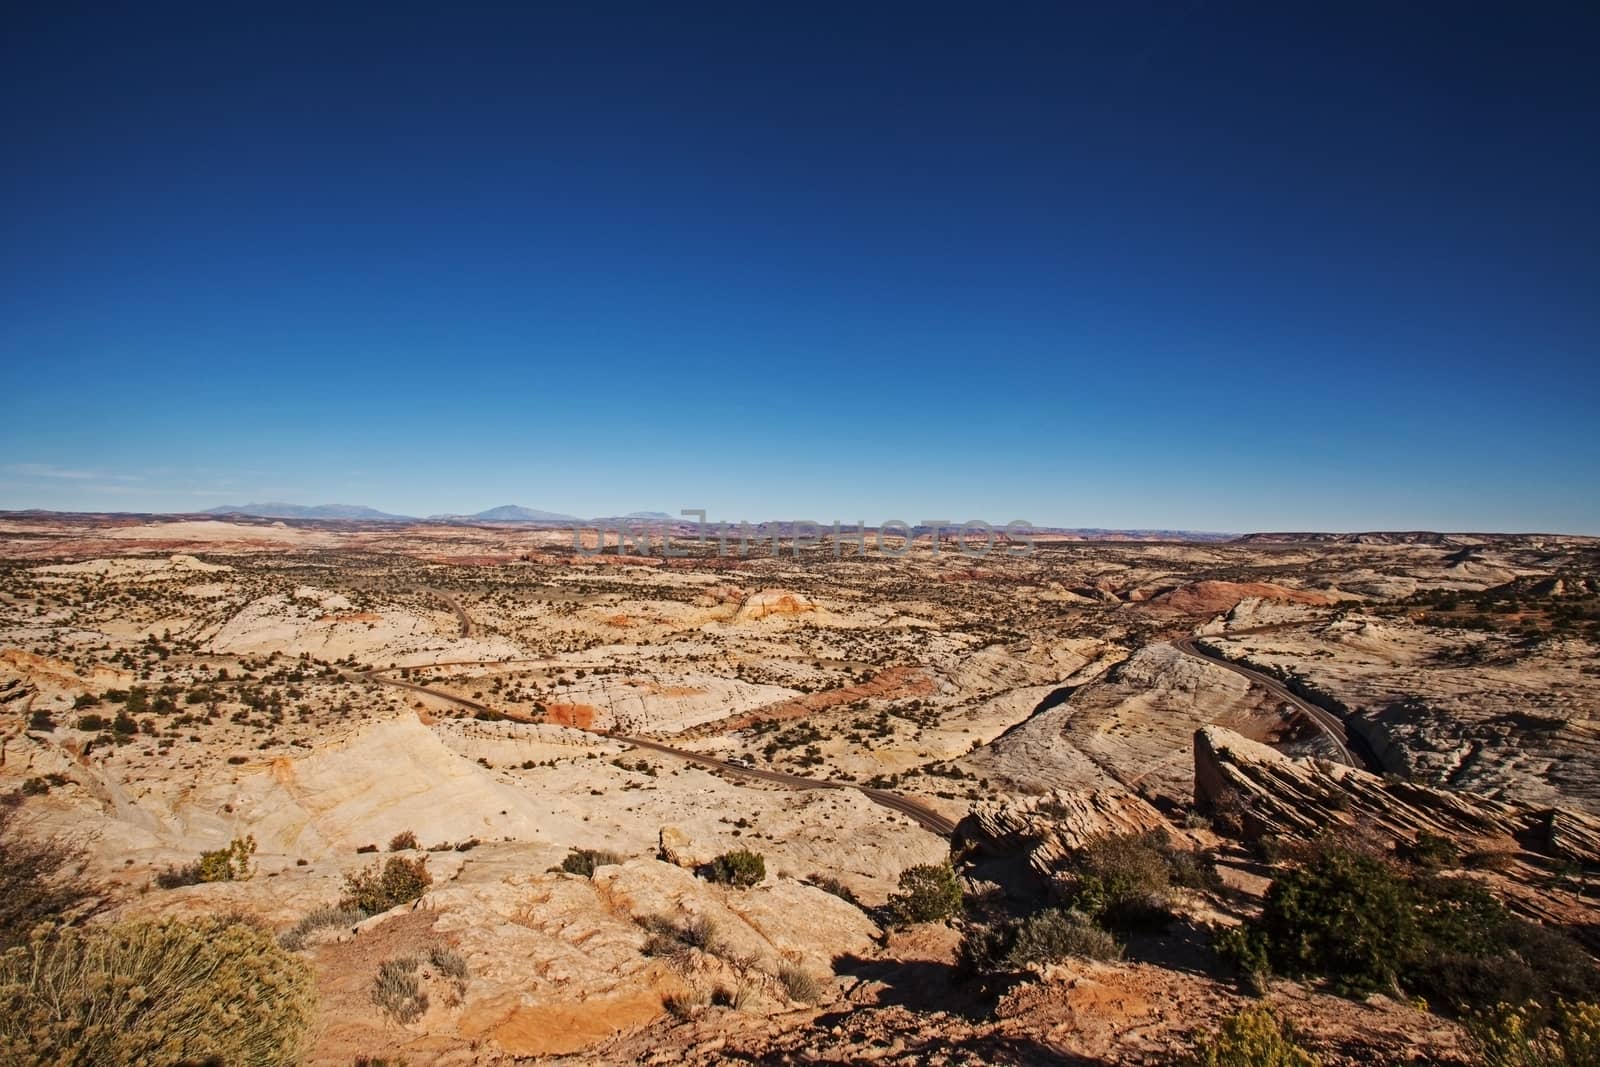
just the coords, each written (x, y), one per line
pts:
(461, 612)
(923, 815)
(1325, 722)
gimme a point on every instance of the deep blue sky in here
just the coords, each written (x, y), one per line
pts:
(1209, 266)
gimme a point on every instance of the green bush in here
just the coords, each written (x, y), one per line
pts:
(1366, 926)
(740, 867)
(92, 722)
(377, 888)
(1124, 880)
(1252, 1038)
(154, 993)
(928, 893)
(1344, 915)
(1432, 851)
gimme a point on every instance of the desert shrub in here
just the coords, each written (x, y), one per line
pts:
(376, 889)
(154, 993)
(741, 867)
(583, 861)
(735, 996)
(41, 879)
(1193, 870)
(1046, 937)
(397, 990)
(41, 721)
(674, 939)
(34, 787)
(449, 963)
(928, 893)
(1344, 915)
(230, 863)
(683, 1004)
(1490, 859)
(92, 722)
(1366, 926)
(1509, 1036)
(1254, 1037)
(1123, 880)
(173, 877)
(376, 1061)
(404, 841)
(1432, 851)
(294, 939)
(1490, 957)
(1053, 935)
(801, 985)
(829, 884)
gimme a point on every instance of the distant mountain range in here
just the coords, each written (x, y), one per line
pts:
(302, 511)
(507, 513)
(516, 513)
(503, 513)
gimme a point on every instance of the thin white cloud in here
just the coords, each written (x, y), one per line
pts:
(52, 471)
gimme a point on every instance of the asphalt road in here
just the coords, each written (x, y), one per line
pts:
(1326, 722)
(923, 815)
(461, 612)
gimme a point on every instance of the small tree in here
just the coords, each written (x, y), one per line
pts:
(928, 893)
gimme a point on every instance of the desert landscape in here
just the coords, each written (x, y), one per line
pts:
(503, 801)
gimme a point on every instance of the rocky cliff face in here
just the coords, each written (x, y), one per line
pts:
(1050, 828)
(1529, 851)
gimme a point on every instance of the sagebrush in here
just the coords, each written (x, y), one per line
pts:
(154, 993)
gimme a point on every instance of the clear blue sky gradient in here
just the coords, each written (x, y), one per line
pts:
(1203, 266)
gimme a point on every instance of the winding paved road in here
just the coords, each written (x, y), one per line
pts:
(923, 815)
(461, 612)
(1325, 722)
